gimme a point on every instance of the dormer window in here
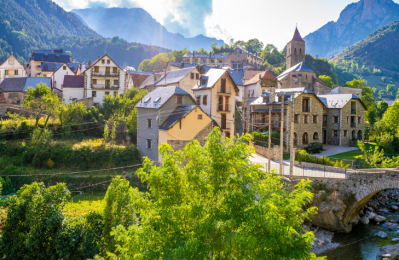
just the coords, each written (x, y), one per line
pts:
(64, 67)
(46, 56)
(147, 100)
(45, 67)
(158, 99)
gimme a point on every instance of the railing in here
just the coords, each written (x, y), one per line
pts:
(226, 125)
(103, 86)
(226, 90)
(224, 107)
(353, 111)
(353, 124)
(305, 109)
(296, 121)
(103, 74)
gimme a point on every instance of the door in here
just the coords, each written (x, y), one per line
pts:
(226, 105)
(107, 83)
(220, 107)
(324, 136)
(107, 70)
(223, 121)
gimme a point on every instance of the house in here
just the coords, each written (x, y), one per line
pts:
(14, 89)
(73, 88)
(259, 84)
(206, 59)
(169, 115)
(49, 68)
(298, 73)
(58, 75)
(241, 60)
(46, 56)
(149, 82)
(343, 119)
(11, 67)
(172, 65)
(237, 78)
(135, 78)
(184, 78)
(215, 93)
(104, 77)
(249, 74)
(347, 90)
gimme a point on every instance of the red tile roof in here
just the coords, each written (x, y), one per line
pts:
(2, 98)
(138, 78)
(297, 36)
(74, 81)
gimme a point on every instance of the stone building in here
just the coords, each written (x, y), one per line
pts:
(183, 78)
(212, 60)
(241, 60)
(347, 90)
(343, 119)
(295, 50)
(259, 84)
(14, 89)
(3, 104)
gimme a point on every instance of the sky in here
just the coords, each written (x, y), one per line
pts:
(269, 21)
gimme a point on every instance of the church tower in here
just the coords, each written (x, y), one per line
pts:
(295, 50)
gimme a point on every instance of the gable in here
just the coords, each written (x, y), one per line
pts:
(98, 62)
(14, 60)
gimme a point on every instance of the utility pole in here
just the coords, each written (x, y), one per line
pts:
(282, 134)
(292, 154)
(269, 143)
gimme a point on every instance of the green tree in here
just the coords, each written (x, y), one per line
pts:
(74, 112)
(382, 107)
(209, 202)
(367, 98)
(41, 100)
(254, 45)
(391, 90)
(390, 118)
(327, 80)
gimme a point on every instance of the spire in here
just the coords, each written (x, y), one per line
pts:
(297, 37)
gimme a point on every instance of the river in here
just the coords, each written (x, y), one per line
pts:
(360, 243)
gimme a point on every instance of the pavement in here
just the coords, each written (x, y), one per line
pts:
(333, 150)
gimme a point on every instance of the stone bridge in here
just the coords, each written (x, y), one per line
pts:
(339, 210)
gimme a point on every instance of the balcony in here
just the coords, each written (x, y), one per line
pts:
(260, 123)
(225, 90)
(353, 124)
(224, 108)
(226, 125)
(103, 86)
(353, 111)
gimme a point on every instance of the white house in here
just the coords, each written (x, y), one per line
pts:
(11, 67)
(58, 76)
(104, 77)
(73, 88)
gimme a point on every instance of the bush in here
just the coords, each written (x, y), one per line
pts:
(303, 156)
(263, 139)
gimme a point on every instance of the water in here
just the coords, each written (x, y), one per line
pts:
(361, 244)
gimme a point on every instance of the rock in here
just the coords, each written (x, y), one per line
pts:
(321, 242)
(381, 234)
(315, 239)
(394, 207)
(379, 218)
(395, 239)
(371, 215)
(392, 228)
(328, 240)
(365, 220)
(356, 221)
(388, 252)
(389, 224)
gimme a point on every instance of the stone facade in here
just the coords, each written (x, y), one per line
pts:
(295, 53)
(15, 98)
(353, 121)
(275, 151)
(3, 109)
(301, 79)
(331, 127)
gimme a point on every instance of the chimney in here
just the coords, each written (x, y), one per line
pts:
(98, 57)
(260, 76)
(89, 63)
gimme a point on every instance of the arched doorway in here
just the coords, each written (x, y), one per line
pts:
(359, 135)
(305, 138)
(295, 138)
(353, 135)
(316, 136)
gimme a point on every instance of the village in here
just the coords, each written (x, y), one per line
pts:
(188, 99)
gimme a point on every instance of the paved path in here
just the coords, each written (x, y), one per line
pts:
(333, 150)
(297, 170)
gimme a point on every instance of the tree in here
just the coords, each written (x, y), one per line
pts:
(390, 118)
(73, 112)
(382, 107)
(327, 80)
(41, 100)
(209, 202)
(254, 45)
(391, 90)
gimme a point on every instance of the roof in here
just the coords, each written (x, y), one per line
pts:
(298, 67)
(181, 64)
(291, 90)
(2, 98)
(74, 81)
(338, 100)
(20, 84)
(138, 78)
(51, 56)
(248, 74)
(164, 93)
(149, 81)
(175, 116)
(97, 60)
(14, 58)
(209, 79)
(54, 66)
(141, 72)
(297, 36)
(247, 52)
(236, 76)
(174, 76)
(259, 76)
(204, 55)
(207, 68)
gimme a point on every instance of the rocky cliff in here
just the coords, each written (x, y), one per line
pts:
(354, 24)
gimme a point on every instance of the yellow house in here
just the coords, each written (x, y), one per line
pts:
(185, 124)
(215, 93)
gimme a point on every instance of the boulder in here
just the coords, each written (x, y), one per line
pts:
(381, 234)
(328, 240)
(379, 218)
(356, 221)
(364, 220)
(321, 242)
(394, 207)
(395, 239)
(371, 215)
(388, 252)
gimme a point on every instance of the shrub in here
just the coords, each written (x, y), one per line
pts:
(50, 163)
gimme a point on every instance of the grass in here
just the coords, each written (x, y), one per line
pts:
(352, 155)
(79, 205)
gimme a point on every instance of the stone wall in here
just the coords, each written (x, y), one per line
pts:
(264, 151)
(332, 127)
(320, 167)
(353, 132)
(3, 109)
(15, 98)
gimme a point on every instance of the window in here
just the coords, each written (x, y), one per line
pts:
(196, 60)
(74, 99)
(192, 75)
(198, 100)
(199, 116)
(94, 81)
(115, 70)
(347, 119)
(197, 76)
(115, 93)
(305, 117)
(149, 123)
(94, 93)
(212, 61)
(64, 67)
(223, 87)
(314, 119)
(11, 62)
(220, 61)
(228, 134)
(108, 61)
(149, 144)
(6, 72)
(106, 93)
(179, 99)
(57, 57)
(296, 118)
(121, 95)
(305, 105)
(45, 67)
(203, 61)
(205, 100)
(336, 119)
(335, 133)
(16, 72)
(96, 69)
(359, 120)
(103, 61)
(316, 136)
(116, 82)
(345, 133)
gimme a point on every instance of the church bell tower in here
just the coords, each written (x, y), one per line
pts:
(295, 50)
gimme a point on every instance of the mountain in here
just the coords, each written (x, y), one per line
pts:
(379, 49)
(354, 24)
(137, 25)
(27, 25)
